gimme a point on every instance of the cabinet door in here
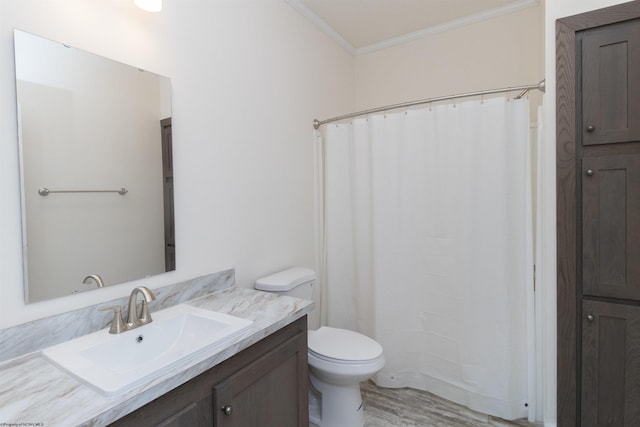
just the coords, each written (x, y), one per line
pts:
(610, 87)
(270, 392)
(610, 365)
(611, 226)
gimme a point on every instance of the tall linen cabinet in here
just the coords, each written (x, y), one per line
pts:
(598, 200)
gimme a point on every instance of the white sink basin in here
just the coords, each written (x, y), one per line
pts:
(117, 363)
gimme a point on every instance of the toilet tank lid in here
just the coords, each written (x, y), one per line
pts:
(286, 280)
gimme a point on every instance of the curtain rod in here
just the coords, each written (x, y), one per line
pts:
(524, 89)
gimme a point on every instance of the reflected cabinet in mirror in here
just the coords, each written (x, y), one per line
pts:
(96, 166)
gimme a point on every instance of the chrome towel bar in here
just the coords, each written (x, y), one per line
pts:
(45, 191)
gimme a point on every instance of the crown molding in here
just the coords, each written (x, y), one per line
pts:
(425, 32)
(447, 26)
(322, 25)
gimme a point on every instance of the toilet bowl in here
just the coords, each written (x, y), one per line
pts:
(339, 359)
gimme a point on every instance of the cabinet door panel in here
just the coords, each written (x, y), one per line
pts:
(268, 392)
(611, 226)
(610, 62)
(610, 365)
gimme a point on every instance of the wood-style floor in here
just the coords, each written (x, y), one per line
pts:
(406, 407)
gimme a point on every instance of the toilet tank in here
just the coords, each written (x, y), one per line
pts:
(295, 282)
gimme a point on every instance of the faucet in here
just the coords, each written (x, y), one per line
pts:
(96, 278)
(133, 321)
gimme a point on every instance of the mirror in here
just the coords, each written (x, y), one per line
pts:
(96, 169)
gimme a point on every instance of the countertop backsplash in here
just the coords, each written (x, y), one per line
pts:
(38, 334)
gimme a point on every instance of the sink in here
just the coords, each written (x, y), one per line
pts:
(117, 363)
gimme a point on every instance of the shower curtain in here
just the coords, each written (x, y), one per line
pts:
(425, 244)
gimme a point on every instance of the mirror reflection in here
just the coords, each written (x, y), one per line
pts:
(96, 166)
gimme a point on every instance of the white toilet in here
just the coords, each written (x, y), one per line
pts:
(339, 359)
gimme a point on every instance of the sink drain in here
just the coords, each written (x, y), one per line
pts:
(139, 339)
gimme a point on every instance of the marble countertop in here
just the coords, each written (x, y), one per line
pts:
(33, 392)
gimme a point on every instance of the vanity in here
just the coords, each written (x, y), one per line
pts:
(264, 385)
(257, 379)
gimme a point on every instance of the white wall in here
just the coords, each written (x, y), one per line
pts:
(248, 76)
(554, 9)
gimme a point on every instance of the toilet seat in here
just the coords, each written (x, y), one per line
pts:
(316, 359)
(343, 346)
(343, 372)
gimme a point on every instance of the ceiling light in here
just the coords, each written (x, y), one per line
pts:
(149, 5)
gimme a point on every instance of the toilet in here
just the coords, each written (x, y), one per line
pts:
(339, 359)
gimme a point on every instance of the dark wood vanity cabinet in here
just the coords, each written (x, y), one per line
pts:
(598, 201)
(265, 385)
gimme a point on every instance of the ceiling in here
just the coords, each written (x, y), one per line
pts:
(363, 26)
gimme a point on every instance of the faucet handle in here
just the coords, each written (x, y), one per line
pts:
(145, 316)
(117, 325)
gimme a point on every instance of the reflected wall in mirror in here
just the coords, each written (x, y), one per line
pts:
(88, 123)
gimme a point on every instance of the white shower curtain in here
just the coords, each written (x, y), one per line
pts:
(425, 245)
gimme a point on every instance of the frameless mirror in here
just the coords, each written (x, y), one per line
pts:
(96, 169)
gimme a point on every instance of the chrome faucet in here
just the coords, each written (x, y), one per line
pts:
(133, 320)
